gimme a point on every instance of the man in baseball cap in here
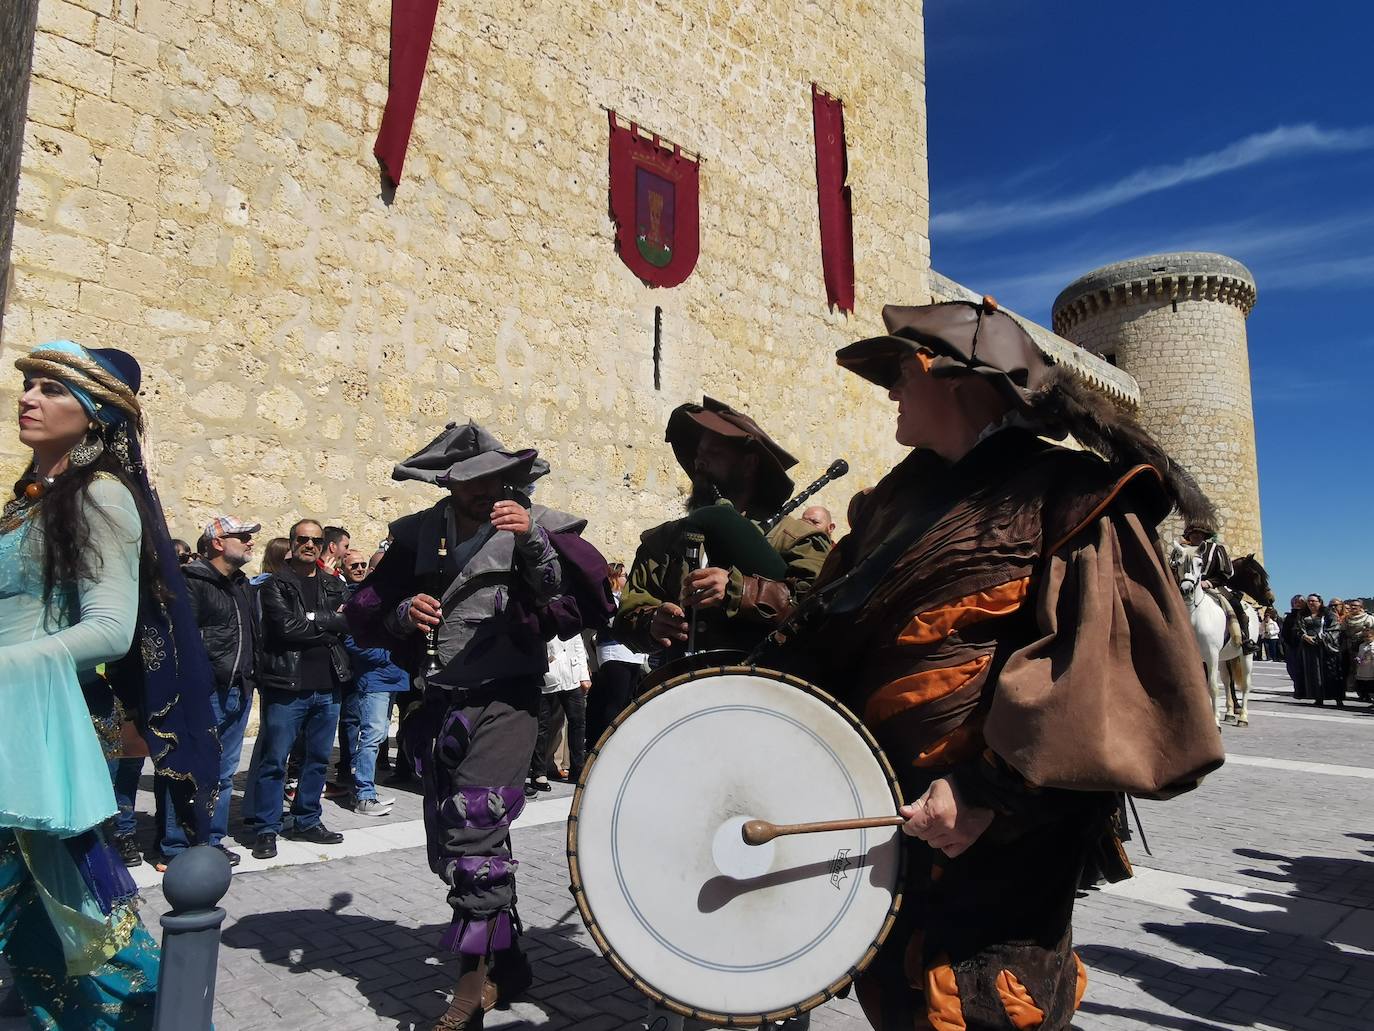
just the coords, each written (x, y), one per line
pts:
(222, 602)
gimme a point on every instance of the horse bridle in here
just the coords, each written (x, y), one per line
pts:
(1188, 583)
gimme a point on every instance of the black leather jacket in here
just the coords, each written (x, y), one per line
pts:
(227, 615)
(287, 628)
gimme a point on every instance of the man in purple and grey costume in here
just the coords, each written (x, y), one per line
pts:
(465, 586)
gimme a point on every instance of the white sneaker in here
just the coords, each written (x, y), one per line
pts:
(386, 801)
(373, 807)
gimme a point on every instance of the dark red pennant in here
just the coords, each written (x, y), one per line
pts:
(412, 28)
(832, 192)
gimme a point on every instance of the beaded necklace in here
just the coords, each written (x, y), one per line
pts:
(24, 502)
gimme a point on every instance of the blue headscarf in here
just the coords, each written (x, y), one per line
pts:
(166, 676)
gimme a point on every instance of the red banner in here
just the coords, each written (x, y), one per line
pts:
(837, 213)
(412, 28)
(654, 204)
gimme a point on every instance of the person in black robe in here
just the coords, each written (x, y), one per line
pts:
(1291, 633)
(1320, 646)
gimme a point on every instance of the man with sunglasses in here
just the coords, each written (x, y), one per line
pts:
(304, 669)
(223, 604)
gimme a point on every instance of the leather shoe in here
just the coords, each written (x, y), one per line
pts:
(265, 847)
(317, 834)
(233, 857)
(127, 847)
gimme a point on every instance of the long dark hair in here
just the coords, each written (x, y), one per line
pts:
(68, 556)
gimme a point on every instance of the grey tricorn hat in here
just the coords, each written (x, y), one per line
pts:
(467, 451)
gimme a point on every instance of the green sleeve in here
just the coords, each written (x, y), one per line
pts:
(645, 590)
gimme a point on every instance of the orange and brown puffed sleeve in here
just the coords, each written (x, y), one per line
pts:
(1110, 695)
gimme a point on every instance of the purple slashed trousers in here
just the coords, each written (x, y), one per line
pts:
(471, 750)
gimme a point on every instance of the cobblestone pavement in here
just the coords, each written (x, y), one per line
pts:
(1255, 910)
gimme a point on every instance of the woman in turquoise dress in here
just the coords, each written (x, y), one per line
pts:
(87, 580)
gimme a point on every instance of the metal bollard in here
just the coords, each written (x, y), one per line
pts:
(194, 883)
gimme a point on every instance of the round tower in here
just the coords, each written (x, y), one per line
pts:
(1176, 322)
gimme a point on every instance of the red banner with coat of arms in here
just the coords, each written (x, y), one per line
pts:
(654, 203)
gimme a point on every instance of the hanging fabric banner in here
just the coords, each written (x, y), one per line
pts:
(412, 28)
(654, 205)
(837, 213)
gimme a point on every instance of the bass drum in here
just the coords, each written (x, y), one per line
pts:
(704, 924)
(715, 660)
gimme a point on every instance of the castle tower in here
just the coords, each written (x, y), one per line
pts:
(1176, 322)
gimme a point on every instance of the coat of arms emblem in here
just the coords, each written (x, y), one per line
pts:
(654, 204)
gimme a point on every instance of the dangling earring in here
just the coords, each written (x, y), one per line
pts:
(91, 448)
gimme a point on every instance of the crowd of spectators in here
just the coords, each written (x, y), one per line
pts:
(279, 636)
(1328, 647)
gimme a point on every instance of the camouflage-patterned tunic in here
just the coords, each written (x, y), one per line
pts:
(753, 604)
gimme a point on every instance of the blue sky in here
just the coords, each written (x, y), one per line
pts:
(1068, 134)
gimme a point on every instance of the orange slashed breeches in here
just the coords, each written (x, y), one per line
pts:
(983, 942)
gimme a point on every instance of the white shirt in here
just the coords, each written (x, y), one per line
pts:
(567, 665)
(608, 649)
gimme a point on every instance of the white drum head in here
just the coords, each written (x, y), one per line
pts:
(700, 921)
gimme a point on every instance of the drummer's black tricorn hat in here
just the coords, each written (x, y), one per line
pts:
(689, 421)
(961, 338)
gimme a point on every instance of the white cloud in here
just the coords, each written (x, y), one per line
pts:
(1286, 141)
(1321, 272)
(1327, 252)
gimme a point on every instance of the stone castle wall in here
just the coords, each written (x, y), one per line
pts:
(198, 188)
(1193, 370)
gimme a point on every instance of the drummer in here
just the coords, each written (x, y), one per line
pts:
(1023, 653)
(731, 461)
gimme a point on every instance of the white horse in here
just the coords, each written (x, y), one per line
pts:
(1228, 667)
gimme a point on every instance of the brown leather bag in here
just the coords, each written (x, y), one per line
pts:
(131, 742)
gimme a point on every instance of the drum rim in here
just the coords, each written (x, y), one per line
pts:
(833, 989)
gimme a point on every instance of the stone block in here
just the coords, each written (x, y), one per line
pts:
(45, 249)
(34, 199)
(64, 156)
(127, 44)
(51, 103)
(102, 121)
(38, 289)
(166, 20)
(67, 20)
(115, 305)
(222, 400)
(139, 88)
(72, 64)
(127, 174)
(102, 216)
(136, 272)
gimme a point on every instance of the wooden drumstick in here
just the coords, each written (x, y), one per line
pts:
(757, 832)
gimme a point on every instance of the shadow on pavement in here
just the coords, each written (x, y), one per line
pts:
(1287, 971)
(1347, 881)
(1146, 1017)
(401, 970)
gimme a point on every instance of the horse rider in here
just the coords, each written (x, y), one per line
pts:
(1217, 572)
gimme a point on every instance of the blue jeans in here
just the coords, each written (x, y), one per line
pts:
(231, 710)
(284, 715)
(367, 725)
(124, 774)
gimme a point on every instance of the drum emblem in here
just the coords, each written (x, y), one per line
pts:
(839, 867)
